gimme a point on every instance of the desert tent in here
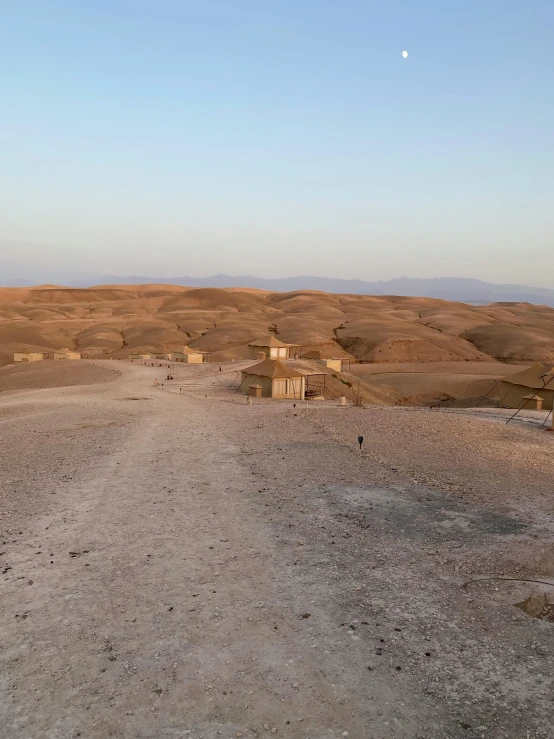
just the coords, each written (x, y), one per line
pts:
(66, 354)
(539, 378)
(271, 346)
(276, 379)
(28, 356)
(186, 354)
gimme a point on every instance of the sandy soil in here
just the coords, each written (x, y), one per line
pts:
(191, 566)
(50, 373)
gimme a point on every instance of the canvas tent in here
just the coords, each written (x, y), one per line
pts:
(271, 346)
(188, 355)
(276, 380)
(539, 379)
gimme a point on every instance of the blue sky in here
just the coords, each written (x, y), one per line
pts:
(277, 138)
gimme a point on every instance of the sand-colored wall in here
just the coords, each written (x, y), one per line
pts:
(512, 396)
(193, 358)
(27, 357)
(334, 364)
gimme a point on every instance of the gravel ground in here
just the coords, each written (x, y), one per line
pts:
(196, 567)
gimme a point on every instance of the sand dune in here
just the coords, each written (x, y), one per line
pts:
(115, 319)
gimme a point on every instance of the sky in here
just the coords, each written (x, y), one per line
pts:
(277, 138)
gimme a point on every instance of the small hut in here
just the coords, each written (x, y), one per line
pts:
(28, 356)
(66, 354)
(255, 390)
(276, 380)
(537, 380)
(188, 355)
(532, 402)
(271, 347)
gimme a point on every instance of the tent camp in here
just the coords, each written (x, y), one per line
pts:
(271, 346)
(539, 379)
(276, 380)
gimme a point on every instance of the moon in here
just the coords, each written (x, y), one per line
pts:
(405, 54)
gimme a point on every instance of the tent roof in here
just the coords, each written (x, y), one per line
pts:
(271, 368)
(66, 351)
(185, 350)
(531, 377)
(305, 368)
(268, 341)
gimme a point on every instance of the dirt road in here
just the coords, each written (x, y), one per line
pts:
(194, 567)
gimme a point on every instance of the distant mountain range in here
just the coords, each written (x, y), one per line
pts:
(460, 289)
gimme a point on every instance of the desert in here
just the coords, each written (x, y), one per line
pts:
(276, 370)
(370, 331)
(180, 559)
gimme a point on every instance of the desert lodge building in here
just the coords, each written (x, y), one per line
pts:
(28, 356)
(38, 356)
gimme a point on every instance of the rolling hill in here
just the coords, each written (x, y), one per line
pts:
(113, 320)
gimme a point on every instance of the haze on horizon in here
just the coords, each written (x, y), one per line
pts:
(278, 139)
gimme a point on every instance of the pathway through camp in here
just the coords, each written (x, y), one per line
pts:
(165, 576)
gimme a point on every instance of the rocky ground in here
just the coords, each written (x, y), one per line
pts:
(192, 566)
